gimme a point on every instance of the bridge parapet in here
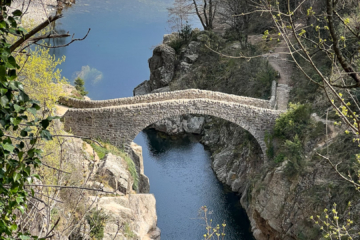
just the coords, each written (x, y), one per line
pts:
(164, 96)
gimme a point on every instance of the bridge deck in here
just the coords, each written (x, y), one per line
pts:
(160, 97)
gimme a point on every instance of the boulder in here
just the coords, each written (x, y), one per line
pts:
(162, 65)
(142, 89)
(113, 170)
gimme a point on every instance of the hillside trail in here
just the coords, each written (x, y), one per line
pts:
(278, 59)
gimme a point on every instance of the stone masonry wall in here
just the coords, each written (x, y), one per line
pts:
(120, 124)
(157, 97)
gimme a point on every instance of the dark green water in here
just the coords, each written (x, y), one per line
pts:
(112, 61)
(182, 180)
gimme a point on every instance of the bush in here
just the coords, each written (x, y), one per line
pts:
(293, 152)
(176, 44)
(97, 219)
(293, 122)
(185, 33)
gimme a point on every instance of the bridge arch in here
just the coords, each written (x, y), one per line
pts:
(120, 124)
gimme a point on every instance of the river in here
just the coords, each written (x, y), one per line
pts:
(113, 60)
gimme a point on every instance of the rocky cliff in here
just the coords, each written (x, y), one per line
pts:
(123, 199)
(279, 205)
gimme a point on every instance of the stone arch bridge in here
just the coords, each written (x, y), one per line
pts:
(118, 121)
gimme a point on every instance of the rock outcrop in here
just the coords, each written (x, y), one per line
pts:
(113, 171)
(162, 65)
(136, 213)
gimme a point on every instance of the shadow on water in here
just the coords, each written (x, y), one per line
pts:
(182, 180)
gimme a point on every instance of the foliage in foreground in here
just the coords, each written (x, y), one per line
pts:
(20, 130)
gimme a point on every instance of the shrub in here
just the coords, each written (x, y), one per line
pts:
(176, 44)
(293, 122)
(97, 219)
(79, 85)
(185, 33)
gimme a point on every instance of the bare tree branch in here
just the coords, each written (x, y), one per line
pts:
(34, 31)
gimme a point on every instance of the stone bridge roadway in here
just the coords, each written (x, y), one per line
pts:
(118, 121)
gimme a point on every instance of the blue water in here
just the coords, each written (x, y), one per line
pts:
(113, 60)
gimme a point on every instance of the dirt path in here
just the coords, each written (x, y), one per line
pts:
(277, 58)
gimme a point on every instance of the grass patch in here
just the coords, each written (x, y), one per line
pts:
(108, 148)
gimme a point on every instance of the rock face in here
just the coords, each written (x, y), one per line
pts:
(162, 65)
(136, 212)
(142, 89)
(180, 124)
(137, 157)
(113, 170)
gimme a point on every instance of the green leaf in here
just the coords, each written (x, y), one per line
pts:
(4, 100)
(45, 134)
(2, 72)
(11, 63)
(17, 108)
(20, 156)
(36, 106)
(19, 85)
(33, 141)
(32, 110)
(17, 13)
(23, 97)
(16, 177)
(45, 123)
(2, 24)
(13, 227)
(8, 147)
(36, 176)
(3, 90)
(23, 133)
(15, 121)
(22, 210)
(11, 74)
(19, 200)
